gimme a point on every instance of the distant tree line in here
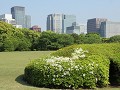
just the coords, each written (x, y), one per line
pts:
(16, 39)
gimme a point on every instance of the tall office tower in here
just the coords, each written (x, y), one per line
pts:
(55, 23)
(18, 13)
(68, 21)
(93, 25)
(59, 22)
(109, 29)
(27, 21)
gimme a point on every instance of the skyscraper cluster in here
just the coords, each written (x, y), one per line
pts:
(61, 23)
(104, 27)
(18, 18)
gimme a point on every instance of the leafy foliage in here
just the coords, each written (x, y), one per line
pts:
(12, 39)
(72, 67)
(115, 69)
(115, 38)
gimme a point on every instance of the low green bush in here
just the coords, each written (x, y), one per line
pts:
(77, 68)
(115, 69)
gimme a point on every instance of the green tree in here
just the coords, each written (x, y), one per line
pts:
(65, 40)
(92, 38)
(115, 38)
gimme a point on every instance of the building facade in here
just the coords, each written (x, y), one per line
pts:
(36, 28)
(109, 29)
(93, 25)
(68, 21)
(55, 23)
(75, 28)
(27, 21)
(59, 22)
(8, 19)
(18, 13)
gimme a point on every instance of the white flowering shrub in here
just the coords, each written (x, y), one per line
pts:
(78, 70)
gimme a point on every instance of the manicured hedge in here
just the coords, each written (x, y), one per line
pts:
(76, 66)
(104, 49)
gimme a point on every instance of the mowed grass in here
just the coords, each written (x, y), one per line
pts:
(12, 66)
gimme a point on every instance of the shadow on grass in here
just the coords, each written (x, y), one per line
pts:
(20, 80)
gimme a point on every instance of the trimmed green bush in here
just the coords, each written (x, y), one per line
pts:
(76, 66)
(78, 69)
(100, 49)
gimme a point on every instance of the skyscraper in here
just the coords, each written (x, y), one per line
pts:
(109, 29)
(18, 13)
(68, 21)
(93, 25)
(55, 22)
(27, 21)
(59, 22)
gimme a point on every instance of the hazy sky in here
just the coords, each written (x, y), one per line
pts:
(83, 9)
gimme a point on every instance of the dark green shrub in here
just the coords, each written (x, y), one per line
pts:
(115, 69)
(115, 38)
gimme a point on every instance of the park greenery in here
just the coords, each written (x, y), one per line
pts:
(16, 39)
(77, 66)
(87, 61)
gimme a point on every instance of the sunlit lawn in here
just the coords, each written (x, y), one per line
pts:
(12, 66)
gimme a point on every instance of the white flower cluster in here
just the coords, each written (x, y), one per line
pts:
(57, 62)
(78, 53)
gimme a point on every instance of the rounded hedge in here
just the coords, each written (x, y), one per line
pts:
(71, 68)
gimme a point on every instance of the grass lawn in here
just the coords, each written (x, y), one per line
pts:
(12, 66)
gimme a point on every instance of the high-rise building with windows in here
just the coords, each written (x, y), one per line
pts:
(68, 21)
(27, 21)
(18, 13)
(59, 22)
(55, 22)
(93, 25)
(109, 29)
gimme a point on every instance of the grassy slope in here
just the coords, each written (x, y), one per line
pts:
(12, 66)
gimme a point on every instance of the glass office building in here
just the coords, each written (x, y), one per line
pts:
(93, 25)
(27, 21)
(55, 23)
(59, 22)
(109, 29)
(18, 13)
(68, 21)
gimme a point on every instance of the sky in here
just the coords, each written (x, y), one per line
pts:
(83, 9)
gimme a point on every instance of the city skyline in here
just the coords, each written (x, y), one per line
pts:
(82, 9)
